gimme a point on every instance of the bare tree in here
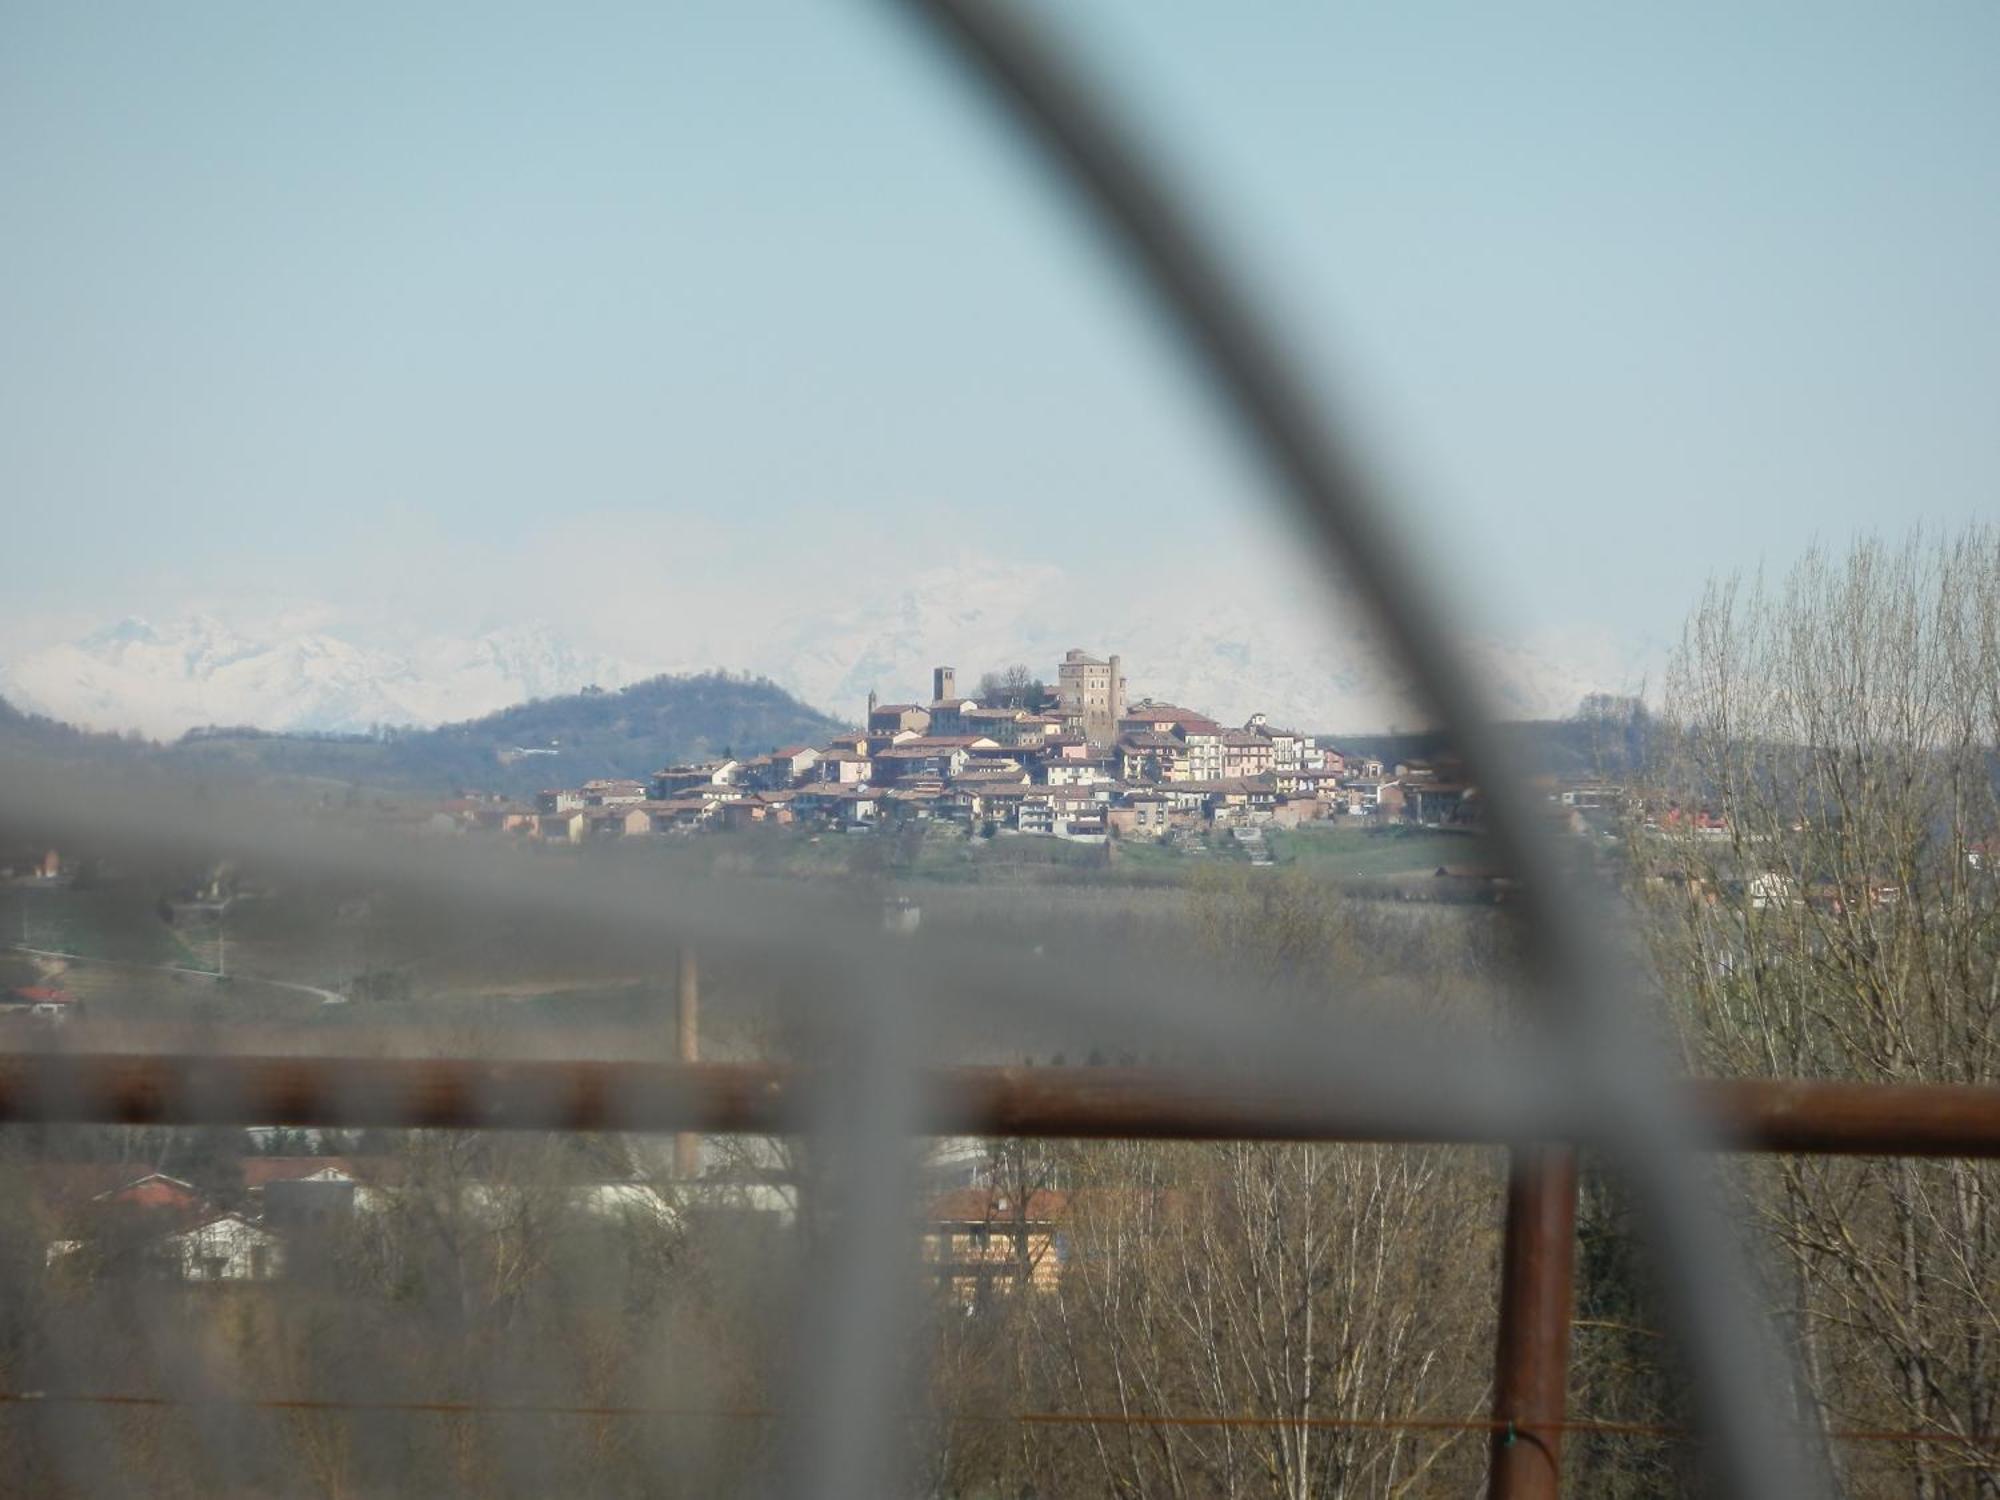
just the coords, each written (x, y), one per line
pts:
(1259, 1291)
(1817, 862)
(1250, 1319)
(1011, 687)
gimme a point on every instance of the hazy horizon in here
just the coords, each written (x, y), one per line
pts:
(665, 330)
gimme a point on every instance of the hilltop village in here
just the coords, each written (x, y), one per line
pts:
(1078, 761)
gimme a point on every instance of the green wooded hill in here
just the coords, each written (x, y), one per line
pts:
(1615, 738)
(36, 735)
(631, 731)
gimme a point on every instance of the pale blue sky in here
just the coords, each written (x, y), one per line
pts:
(394, 306)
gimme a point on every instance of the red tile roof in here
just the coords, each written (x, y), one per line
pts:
(152, 1190)
(41, 994)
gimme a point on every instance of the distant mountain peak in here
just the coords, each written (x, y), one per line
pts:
(199, 669)
(129, 631)
(1229, 648)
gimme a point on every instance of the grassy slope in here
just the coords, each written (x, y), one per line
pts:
(1335, 851)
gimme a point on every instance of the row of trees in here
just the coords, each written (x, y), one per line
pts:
(1204, 1282)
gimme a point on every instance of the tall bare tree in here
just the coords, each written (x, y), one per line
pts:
(1817, 859)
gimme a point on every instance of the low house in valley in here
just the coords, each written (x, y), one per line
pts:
(930, 757)
(836, 806)
(780, 768)
(1433, 801)
(675, 780)
(1366, 796)
(769, 808)
(1322, 784)
(1231, 799)
(1143, 815)
(224, 1248)
(569, 826)
(1065, 811)
(310, 1193)
(616, 822)
(1083, 770)
(680, 814)
(843, 766)
(612, 793)
(1291, 809)
(908, 763)
(153, 1225)
(982, 1241)
(1592, 796)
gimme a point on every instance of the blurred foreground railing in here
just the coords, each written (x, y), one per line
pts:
(1804, 1116)
(1612, 1094)
(1529, 1415)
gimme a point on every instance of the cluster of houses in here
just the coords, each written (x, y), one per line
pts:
(100, 1218)
(1081, 763)
(111, 1218)
(108, 1219)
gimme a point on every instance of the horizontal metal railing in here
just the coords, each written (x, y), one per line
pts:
(1787, 1115)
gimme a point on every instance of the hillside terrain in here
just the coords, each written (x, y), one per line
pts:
(1569, 749)
(633, 731)
(562, 741)
(38, 735)
(1258, 645)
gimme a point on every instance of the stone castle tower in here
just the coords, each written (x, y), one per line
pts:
(1093, 690)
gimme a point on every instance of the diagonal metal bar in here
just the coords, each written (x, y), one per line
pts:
(1327, 488)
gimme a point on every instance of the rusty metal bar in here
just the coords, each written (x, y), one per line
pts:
(687, 1051)
(1531, 1361)
(1758, 1115)
(1819, 1117)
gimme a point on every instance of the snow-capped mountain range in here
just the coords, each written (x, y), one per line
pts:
(198, 670)
(1229, 652)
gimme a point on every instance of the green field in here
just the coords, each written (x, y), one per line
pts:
(120, 924)
(1338, 852)
(1332, 851)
